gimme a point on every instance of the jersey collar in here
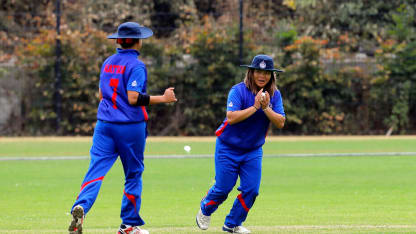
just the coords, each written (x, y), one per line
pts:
(128, 52)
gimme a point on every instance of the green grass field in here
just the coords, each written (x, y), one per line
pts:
(79, 146)
(363, 194)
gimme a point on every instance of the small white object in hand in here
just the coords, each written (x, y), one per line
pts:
(187, 148)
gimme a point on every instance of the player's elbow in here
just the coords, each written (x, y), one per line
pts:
(230, 121)
(280, 123)
(132, 97)
(231, 118)
(132, 101)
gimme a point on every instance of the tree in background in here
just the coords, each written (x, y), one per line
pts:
(314, 100)
(195, 49)
(80, 75)
(395, 87)
(203, 66)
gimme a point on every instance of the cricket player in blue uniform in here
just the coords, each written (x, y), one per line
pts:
(120, 129)
(251, 106)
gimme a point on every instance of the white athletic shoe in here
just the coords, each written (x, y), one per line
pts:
(238, 229)
(127, 229)
(202, 220)
(77, 220)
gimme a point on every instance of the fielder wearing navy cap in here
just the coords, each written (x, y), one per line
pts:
(262, 62)
(121, 129)
(131, 30)
(251, 106)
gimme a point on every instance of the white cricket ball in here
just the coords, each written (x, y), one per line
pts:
(263, 94)
(187, 148)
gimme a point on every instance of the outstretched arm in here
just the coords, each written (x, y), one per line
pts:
(136, 98)
(167, 97)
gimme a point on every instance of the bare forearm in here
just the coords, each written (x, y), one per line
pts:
(234, 117)
(157, 100)
(100, 94)
(167, 97)
(277, 119)
(133, 97)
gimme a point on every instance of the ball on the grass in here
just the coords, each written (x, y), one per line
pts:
(187, 148)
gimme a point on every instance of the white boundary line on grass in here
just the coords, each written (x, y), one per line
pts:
(210, 156)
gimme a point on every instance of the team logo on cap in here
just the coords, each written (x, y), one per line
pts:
(262, 65)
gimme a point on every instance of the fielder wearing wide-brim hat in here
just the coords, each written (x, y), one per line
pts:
(262, 62)
(131, 30)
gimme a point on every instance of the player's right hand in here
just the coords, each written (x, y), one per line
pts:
(257, 99)
(169, 95)
(265, 100)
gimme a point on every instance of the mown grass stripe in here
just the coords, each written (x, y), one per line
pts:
(378, 154)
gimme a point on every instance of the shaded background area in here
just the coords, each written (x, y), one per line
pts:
(350, 66)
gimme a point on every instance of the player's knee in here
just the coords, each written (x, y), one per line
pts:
(220, 194)
(252, 192)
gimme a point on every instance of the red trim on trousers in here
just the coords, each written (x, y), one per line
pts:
(211, 203)
(89, 182)
(131, 198)
(243, 203)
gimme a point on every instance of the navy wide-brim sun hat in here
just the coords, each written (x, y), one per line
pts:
(131, 30)
(262, 62)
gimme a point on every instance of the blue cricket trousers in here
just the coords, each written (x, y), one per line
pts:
(229, 164)
(109, 141)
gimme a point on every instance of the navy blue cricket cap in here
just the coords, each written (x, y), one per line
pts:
(131, 30)
(262, 62)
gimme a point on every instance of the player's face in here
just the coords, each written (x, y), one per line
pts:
(261, 77)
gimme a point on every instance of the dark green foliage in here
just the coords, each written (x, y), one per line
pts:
(195, 49)
(398, 92)
(314, 101)
(202, 80)
(396, 85)
(80, 75)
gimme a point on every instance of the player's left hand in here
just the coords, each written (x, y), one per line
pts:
(265, 100)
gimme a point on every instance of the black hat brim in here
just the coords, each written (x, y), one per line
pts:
(273, 69)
